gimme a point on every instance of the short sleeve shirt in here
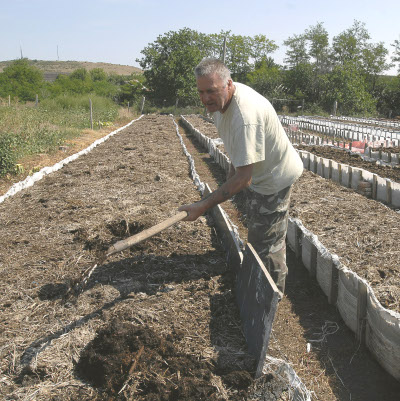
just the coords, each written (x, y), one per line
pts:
(252, 134)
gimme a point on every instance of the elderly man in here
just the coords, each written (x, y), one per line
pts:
(263, 162)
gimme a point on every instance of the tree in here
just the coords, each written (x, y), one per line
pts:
(396, 53)
(169, 62)
(21, 80)
(348, 45)
(238, 55)
(132, 89)
(387, 94)
(168, 65)
(261, 47)
(374, 62)
(319, 45)
(297, 50)
(266, 78)
(346, 86)
(299, 81)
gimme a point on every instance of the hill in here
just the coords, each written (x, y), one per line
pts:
(53, 68)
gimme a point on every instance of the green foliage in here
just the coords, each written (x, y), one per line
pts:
(396, 53)
(297, 50)
(83, 82)
(103, 109)
(318, 44)
(387, 93)
(348, 45)
(348, 88)
(26, 130)
(8, 153)
(169, 62)
(347, 72)
(266, 79)
(132, 90)
(20, 80)
(98, 74)
(168, 65)
(299, 81)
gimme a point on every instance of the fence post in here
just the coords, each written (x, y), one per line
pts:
(91, 113)
(36, 100)
(176, 104)
(128, 107)
(141, 108)
(9, 100)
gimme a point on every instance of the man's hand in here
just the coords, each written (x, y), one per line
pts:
(240, 180)
(195, 210)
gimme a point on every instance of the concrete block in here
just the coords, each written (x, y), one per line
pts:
(356, 177)
(336, 172)
(327, 273)
(346, 175)
(395, 194)
(381, 189)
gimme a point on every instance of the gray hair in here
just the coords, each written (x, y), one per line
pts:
(209, 66)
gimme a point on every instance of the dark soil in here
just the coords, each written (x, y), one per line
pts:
(122, 352)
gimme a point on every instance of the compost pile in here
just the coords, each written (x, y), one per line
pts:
(156, 322)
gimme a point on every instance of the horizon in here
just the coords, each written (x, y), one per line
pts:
(115, 31)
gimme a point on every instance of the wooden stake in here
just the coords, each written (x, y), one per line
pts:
(91, 114)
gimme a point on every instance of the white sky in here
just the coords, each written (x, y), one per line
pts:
(115, 31)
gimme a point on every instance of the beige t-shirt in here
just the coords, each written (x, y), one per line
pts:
(252, 134)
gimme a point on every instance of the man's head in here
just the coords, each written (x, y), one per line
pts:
(214, 84)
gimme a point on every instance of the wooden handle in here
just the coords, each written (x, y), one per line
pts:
(135, 239)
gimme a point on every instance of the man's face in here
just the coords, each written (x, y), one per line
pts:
(214, 93)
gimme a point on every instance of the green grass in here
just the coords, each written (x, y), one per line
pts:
(27, 130)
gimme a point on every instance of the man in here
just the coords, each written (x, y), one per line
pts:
(263, 162)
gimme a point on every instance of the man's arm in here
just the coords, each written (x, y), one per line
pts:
(239, 180)
(231, 171)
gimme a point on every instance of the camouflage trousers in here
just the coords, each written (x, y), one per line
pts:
(267, 222)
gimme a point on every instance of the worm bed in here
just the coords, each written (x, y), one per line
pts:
(363, 232)
(156, 322)
(332, 219)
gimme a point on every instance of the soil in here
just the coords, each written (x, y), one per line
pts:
(158, 321)
(171, 294)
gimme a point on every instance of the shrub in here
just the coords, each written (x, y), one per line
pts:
(8, 153)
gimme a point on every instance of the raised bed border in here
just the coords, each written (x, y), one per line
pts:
(348, 131)
(250, 273)
(381, 189)
(370, 154)
(375, 326)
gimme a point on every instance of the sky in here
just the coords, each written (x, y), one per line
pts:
(115, 31)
